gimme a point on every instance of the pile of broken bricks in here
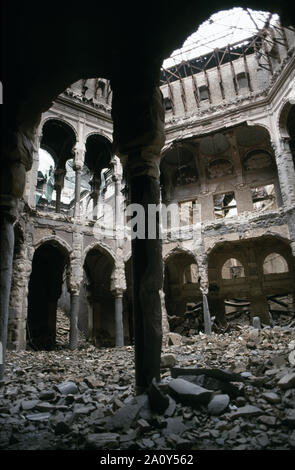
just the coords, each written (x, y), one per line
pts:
(231, 391)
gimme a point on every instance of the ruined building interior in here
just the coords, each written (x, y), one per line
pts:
(208, 129)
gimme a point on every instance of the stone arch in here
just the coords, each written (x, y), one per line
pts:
(55, 239)
(228, 272)
(64, 247)
(61, 119)
(177, 250)
(237, 255)
(276, 243)
(181, 286)
(98, 132)
(283, 117)
(260, 124)
(100, 246)
(49, 263)
(280, 262)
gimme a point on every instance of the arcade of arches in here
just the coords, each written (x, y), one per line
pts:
(216, 142)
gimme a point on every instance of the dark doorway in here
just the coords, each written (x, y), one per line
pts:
(45, 288)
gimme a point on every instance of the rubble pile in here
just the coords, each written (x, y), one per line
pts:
(230, 391)
(190, 323)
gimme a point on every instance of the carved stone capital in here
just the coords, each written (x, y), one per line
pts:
(118, 281)
(59, 175)
(77, 166)
(139, 130)
(79, 153)
(145, 163)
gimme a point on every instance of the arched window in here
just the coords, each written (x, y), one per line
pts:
(242, 80)
(275, 264)
(232, 269)
(190, 274)
(204, 93)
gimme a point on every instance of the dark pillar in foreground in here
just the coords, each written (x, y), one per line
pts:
(138, 116)
(6, 257)
(147, 281)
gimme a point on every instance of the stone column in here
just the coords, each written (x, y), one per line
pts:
(118, 286)
(258, 301)
(6, 259)
(206, 316)
(138, 116)
(78, 172)
(22, 267)
(95, 185)
(74, 320)
(119, 329)
(59, 175)
(74, 281)
(17, 153)
(286, 171)
(32, 175)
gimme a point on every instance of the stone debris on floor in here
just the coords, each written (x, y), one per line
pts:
(233, 391)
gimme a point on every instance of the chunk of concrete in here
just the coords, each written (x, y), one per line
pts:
(102, 441)
(168, 361)
(256, 323)
(189, 393)
(246, 411)
(219, 374)
(66, 388)
(218, 404)
(127, 414)
(174, 339)
(288, 381)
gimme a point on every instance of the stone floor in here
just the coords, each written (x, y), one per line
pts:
(250, 374)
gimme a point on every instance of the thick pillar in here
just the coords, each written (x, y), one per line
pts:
(12, 184)
(59, 176)
(78, 173)
(22, 267)
(286, 171)
(6, 259)
(138, 116)
(74, 284)
(147, 281)
(74, 320)
(18, 146)
(119, 330)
